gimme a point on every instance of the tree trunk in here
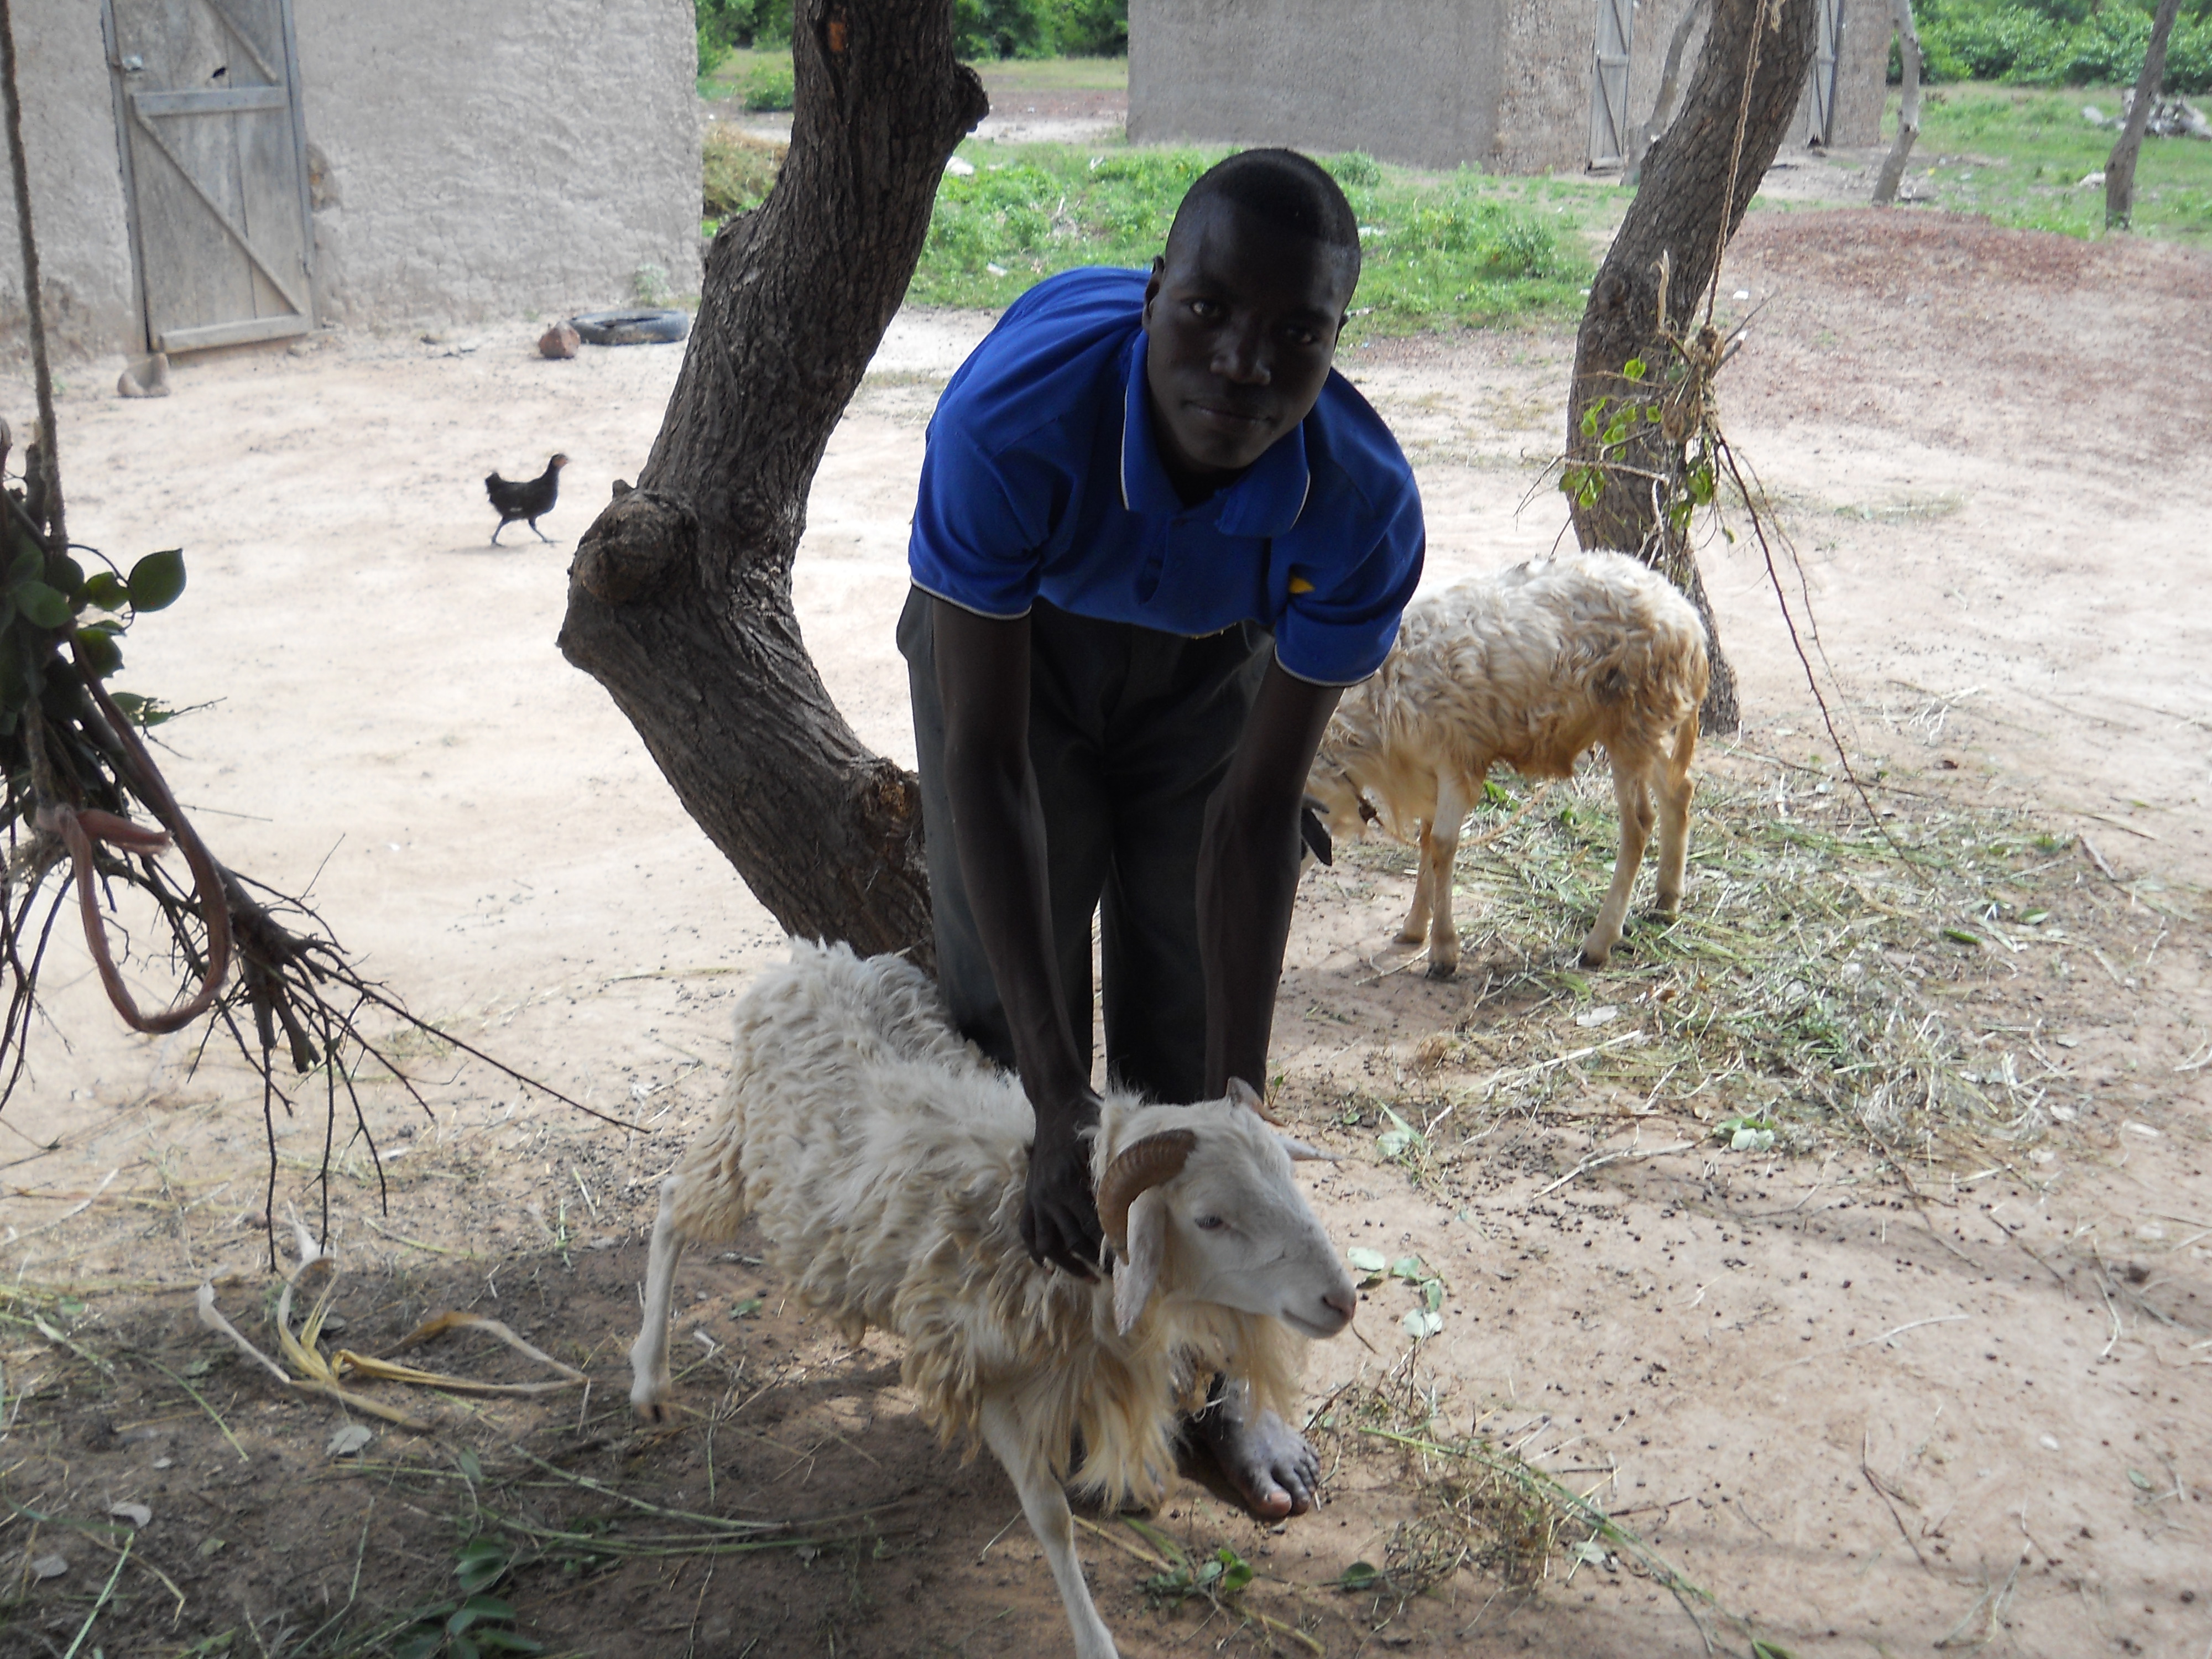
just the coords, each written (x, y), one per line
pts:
(1662, 106)
(1908, 111)
(2120, 166)
(1685, 210)
(679, 599)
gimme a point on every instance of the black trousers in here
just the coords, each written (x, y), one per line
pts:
(1131, 730)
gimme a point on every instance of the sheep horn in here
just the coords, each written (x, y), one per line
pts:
(1245, 1094)
(1136, 1170)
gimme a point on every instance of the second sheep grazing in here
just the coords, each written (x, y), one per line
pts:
(1528, 668)
(886, 1161)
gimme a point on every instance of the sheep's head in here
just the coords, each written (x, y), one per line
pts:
(1335, 793)
(1200, 1203)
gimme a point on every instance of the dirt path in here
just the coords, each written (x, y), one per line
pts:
(1868, 1416)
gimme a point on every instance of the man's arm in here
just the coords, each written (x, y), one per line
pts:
(998, 827)
(1247, 873)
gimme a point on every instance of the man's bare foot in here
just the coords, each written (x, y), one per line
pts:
(1267, 1466)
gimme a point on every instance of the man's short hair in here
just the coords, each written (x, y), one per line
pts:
(1283, 190)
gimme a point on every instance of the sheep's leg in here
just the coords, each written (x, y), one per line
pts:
(649, 1356)
(1675, 817)
(1441, 847)
(1046, 1506)
(1634, 803)
(1417, 918)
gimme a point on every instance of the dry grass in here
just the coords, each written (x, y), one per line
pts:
(1485, 1500)
(1830, 980)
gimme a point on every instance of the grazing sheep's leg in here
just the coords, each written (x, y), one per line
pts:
(648, 1355)
(1046, 1506)
(1675, 817)
(1417, 918)
(1634, 803)
(1441, 845)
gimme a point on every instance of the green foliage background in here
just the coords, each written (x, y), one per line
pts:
(982, 29)
(2058, 43)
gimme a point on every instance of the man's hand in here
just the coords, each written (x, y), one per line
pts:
(1060, 1214)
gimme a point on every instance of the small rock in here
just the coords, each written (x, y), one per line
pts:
(2049, 1441)
(559, 341)
(149, 378)
(959, 168)
(136, 1514)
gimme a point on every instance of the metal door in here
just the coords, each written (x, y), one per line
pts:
(1609, 125)
(1820, 79)
(215, 163)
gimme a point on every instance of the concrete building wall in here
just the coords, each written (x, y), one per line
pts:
(1502, 84)
(76, 186)
(1408, 81)
(474, 159)
(467, 160)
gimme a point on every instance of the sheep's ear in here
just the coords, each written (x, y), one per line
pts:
(1135, 1277)
(1242, 1093)
(1302, 1153)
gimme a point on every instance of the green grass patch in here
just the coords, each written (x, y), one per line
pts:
(1439, 250)
(752, 79)
(1014, 75)
(2020, 154)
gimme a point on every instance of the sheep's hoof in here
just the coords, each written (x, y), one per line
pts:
(1594, 958)
(1409, 935)
(1444, 970)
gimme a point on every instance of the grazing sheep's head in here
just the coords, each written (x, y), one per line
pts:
(1199, 1203)
(1335, 793)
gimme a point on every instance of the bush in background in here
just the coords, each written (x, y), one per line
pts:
(2057, 43)
(725, 25)
(737, 170)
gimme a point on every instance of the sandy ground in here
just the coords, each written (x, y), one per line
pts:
(1871, 1421)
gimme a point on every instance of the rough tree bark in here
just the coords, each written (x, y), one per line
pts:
(679, 597)
(2120, 166)
(1908, 111)
(1683, 209)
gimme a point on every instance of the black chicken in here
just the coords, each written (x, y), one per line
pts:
(528, 499)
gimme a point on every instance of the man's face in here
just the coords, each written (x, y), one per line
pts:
(1241, 321)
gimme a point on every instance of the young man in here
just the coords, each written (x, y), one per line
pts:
(1157, 536)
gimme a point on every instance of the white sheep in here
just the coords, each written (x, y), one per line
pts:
(1528, 667)
(886, 1162)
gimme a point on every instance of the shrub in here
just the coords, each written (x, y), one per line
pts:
(737, 170)
(2056, 43)
(769, 86)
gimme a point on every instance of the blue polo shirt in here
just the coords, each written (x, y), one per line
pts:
(1041, 478)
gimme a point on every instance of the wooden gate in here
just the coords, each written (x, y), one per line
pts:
(1821, 80)
(207, 100)
(1609, 125)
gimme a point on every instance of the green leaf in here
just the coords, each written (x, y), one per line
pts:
(1634, 369)
(748, 1309)
(1367, 1260)
(29, 565)
(100, 651)
(157, 580)
(67, 574)
(1432, 1294)
(2139, 1479)
(1589, 422)
(1235, 1572)
(1960, 936)
(1359, 1576)
(1409, 1269)
(472, 1468)
(481, 1562)
(42, 605)
(106, 591)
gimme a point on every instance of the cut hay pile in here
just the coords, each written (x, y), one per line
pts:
(1830, 980)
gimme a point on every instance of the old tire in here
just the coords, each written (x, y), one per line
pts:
(638, 326)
